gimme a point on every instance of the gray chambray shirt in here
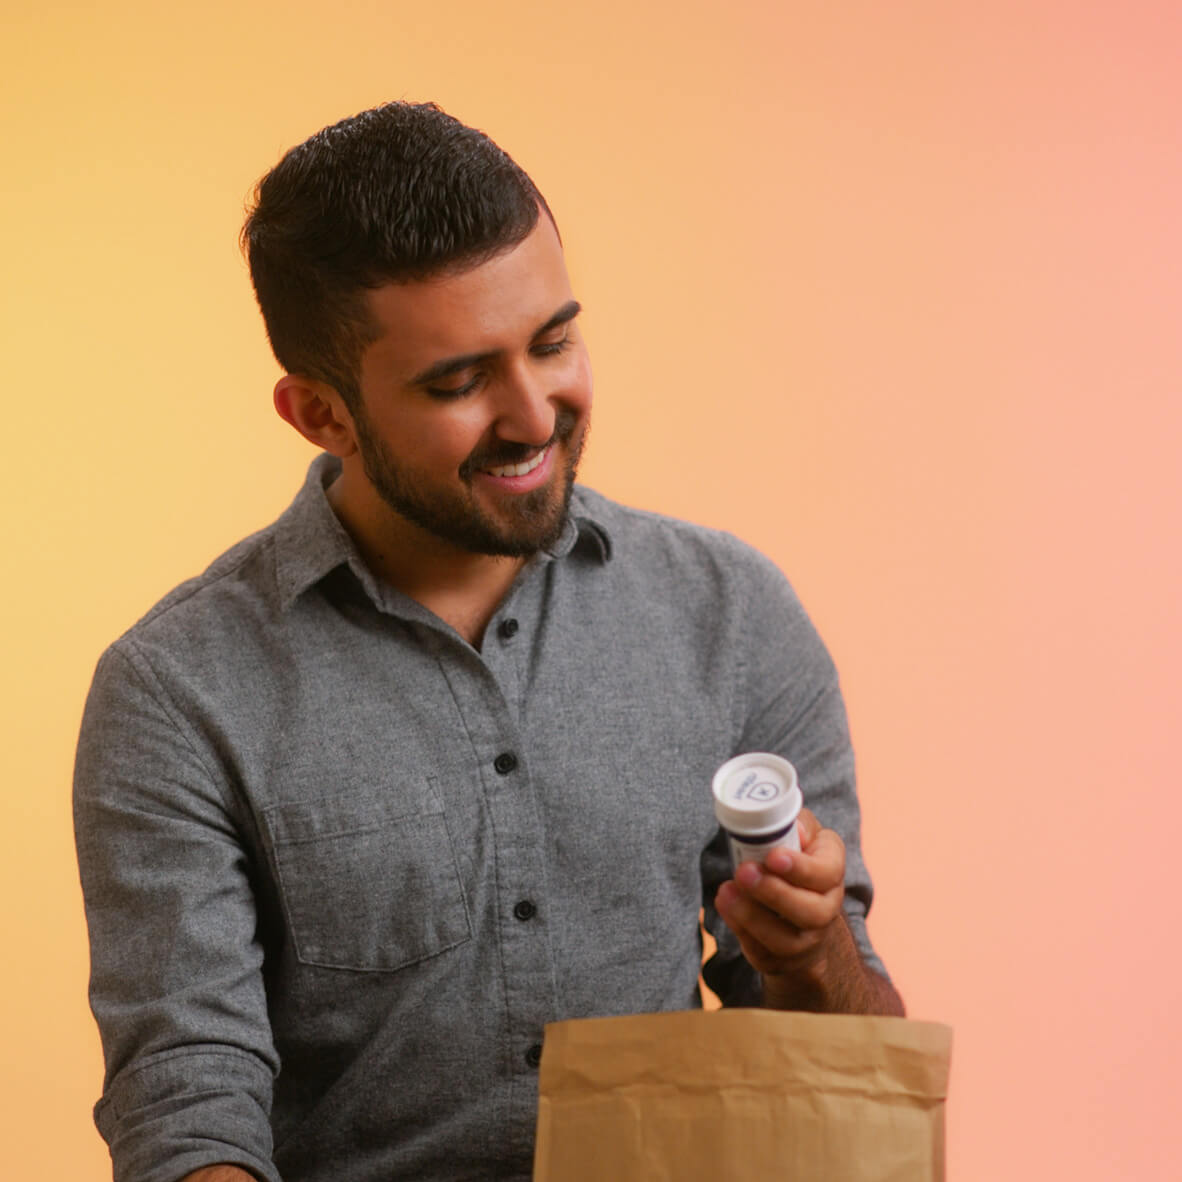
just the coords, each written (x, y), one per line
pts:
(340, 868)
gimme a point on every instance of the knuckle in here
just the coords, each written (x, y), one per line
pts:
(816, 912)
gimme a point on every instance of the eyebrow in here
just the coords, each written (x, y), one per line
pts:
(450, 365)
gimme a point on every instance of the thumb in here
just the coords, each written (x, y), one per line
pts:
(807, 827)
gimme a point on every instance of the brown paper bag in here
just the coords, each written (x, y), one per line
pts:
(742, 1094)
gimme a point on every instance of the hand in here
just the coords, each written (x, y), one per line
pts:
(786, 912)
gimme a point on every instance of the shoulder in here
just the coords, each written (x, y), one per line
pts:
(209, 624)
(638, 529)
(243, 574)
(195, 661)
(669, 547)
(247, 589)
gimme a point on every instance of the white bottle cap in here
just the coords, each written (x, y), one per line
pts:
(756, 794)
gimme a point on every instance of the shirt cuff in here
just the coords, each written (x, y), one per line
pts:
(179, 1110)
(857, 925)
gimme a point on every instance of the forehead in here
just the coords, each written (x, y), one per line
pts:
(495, 305)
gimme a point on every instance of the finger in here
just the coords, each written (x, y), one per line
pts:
(756, 952)
(800, 906)
(743, 914)
(819, 868)
(766, 939)
(807, 827)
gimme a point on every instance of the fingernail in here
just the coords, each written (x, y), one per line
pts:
(780, 861)
(749, 874)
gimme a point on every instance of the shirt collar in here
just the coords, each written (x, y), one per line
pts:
(585, 529)
(310, 541)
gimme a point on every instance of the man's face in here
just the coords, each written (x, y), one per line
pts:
(475, 400)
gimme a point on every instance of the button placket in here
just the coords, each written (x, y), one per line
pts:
(487, 689)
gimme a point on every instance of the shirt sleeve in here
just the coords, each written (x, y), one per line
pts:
(176, 969)
(788, 702)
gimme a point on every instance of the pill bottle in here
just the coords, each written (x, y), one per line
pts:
(757, 801)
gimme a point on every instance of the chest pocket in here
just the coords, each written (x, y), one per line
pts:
(369, 881)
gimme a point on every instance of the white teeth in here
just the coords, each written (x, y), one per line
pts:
(519, 469)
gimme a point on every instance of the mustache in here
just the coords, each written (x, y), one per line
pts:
(565, 422)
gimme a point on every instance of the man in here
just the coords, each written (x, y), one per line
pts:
(426, 764)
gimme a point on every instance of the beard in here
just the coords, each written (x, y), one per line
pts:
(529, 522)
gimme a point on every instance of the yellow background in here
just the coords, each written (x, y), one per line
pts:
(890, 290)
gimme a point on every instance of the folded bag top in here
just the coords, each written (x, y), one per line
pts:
(697, 1095)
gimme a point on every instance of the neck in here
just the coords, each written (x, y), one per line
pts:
(462, 588)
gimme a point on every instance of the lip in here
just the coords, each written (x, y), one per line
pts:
(521, 484)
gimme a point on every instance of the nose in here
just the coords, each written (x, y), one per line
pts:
(525, 411)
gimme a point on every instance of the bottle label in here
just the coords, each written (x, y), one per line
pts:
(756, 849)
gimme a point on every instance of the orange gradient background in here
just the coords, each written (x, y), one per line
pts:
(890, 290)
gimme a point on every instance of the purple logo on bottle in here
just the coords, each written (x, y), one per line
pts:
(755, 789)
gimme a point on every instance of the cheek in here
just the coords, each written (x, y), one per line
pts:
(432, 443)
(454, 437)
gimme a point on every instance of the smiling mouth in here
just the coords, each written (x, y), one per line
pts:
(520, 469)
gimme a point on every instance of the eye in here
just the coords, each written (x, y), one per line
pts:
(550, 348)
(451, 393)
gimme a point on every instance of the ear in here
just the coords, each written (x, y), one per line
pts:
(317, 412)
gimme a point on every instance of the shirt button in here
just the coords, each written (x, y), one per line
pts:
(534, 1055)
(508, 629)
(525, 910)
(505, 763)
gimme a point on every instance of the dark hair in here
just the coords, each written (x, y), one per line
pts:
(401, 192)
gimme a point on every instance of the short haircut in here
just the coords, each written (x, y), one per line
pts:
(398, 193)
